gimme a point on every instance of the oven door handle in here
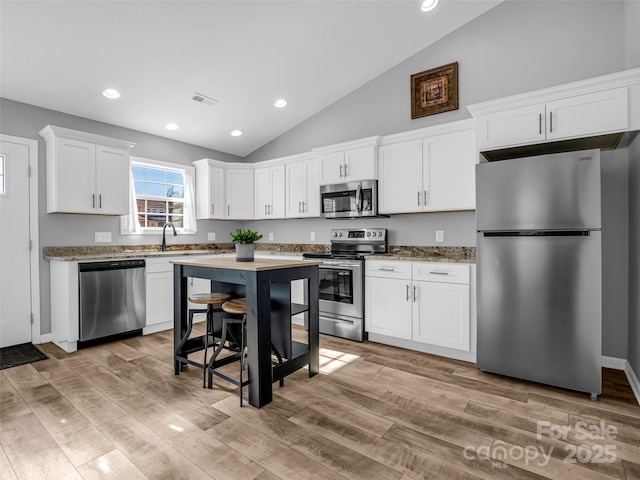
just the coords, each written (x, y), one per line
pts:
(328, 264)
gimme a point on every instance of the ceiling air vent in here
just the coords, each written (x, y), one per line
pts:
(203, 99)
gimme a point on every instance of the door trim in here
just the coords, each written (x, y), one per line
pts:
(34, 256)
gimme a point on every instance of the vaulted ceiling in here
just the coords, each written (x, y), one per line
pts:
(243, 54)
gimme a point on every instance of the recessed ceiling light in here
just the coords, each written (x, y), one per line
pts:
(172, 126)
(111, 93)
(281, 103)
(236, 133)
(429, 5)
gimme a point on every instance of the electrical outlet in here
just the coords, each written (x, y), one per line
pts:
(211, 236)
(103, 237)
(439, 235)
(313, 236)
(271, 236)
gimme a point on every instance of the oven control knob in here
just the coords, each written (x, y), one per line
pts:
(335, 234)
(369, 234)
(339, 234)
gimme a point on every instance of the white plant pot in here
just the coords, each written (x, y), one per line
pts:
(244, 252)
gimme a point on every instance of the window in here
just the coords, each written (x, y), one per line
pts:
(160, 193)
(159, 196)
(3, 189)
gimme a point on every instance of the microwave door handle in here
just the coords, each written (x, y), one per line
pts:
(359, 199)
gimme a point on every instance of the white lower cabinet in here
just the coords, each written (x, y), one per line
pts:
(159, 294)
(420, 302)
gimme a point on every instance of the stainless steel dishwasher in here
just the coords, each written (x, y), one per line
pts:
(112, 300)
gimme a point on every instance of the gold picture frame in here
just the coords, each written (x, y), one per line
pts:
(434, 91)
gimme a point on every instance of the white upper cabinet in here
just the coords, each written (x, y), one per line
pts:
(596, 106)
(348, 162)
(433, 172)
(210, 190)
(302, 186)
(269, 192)
(239, 192)
(451, 180)
(400, 181)
(224, 190)
(601, 112)
(86, 173)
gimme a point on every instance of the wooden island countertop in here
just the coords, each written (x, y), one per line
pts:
(259, 264)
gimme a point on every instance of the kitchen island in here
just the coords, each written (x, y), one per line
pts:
(266, 284)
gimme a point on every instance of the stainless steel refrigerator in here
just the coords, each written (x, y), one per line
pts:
(539, 273)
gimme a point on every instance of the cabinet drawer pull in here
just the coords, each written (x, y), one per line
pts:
(438, 272)
(387, 269)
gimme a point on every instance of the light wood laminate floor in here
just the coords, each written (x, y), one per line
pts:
(117, 411)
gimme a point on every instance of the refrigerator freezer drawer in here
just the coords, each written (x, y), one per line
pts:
(540, 309)
(548, 192)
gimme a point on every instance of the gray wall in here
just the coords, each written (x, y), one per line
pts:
(633, 60)
(633, 342)
(57, 229)
(615, 252)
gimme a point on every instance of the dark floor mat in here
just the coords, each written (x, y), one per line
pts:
(19, 355)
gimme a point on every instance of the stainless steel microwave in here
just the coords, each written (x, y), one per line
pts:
(349, 200)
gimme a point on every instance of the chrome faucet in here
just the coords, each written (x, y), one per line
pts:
(164, 240)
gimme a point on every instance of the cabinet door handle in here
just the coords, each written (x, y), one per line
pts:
(299, 207)
(540, 124)
(228, 210)
(93, 201)
(550, 122)
(345, 170)
(418, 197)
(100, 201)
(414, 293)
(407, 293)
(265, 209)
(304, 206)
(213, 209)
(340, 170)
(426, 197)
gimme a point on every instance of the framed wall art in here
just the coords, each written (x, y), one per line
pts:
(434, 91)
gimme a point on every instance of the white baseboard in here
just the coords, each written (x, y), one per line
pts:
(633, 380)
(613, 362)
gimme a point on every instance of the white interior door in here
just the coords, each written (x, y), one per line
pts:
(15, 255)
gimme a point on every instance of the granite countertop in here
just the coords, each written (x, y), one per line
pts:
(396, 252)
(88, 253)
(428, 254)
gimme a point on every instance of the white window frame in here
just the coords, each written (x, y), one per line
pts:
(189, 226)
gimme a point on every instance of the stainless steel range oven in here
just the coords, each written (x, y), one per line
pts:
(342, 279)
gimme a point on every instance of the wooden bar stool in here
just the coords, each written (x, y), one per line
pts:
(237, 307)
(233, 330)
(214, 302)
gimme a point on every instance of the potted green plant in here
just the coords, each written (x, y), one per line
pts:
(245, 244)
